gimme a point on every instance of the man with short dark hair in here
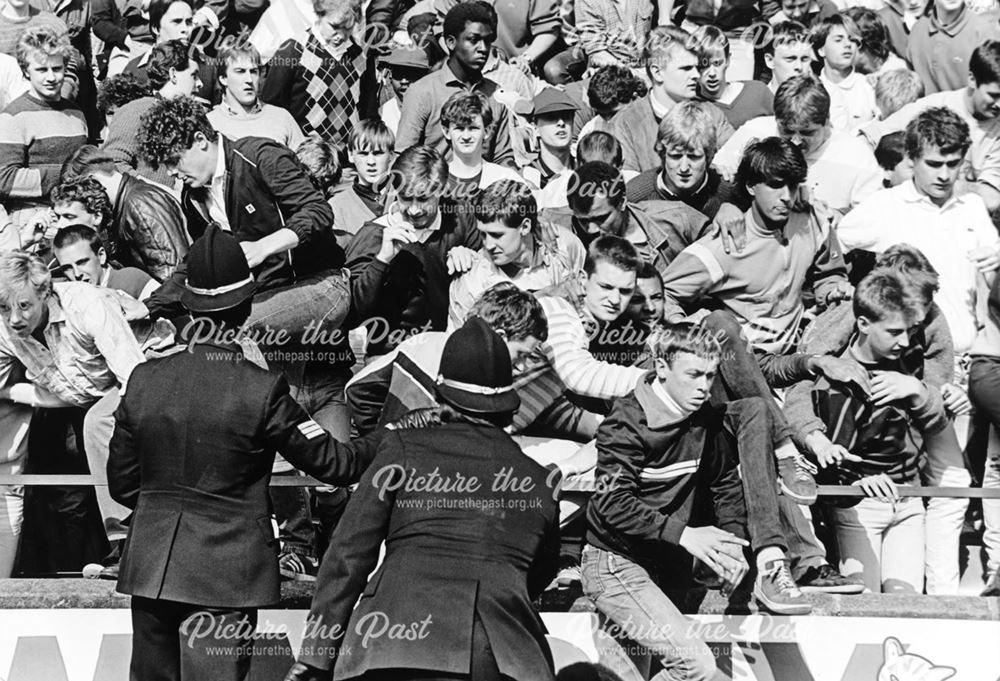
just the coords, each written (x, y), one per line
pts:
(144, 224)
(842, 169)
(598, 205)
(173, 71)
(469, 31)
(82, 257)
(241, 113)
(978, 104)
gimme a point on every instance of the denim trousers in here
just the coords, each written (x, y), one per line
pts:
(883, 542)
(320, 391)
(749, 420)
(984, 390)
(633, 607)
(309, 308)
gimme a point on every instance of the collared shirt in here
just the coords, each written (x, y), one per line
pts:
(852, 100)
(420, 118)
(659, 111)
(215, 198)
(89, 347)
(982, 163)
(842, 173)
(945, 234)
(940, 53)
(550, 264)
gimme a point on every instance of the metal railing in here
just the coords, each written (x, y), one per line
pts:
(569, 485)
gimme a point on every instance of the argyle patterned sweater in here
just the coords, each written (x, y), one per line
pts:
(324, 94)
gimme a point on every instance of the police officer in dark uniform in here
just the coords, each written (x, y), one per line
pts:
(471, 532)
(195, 438)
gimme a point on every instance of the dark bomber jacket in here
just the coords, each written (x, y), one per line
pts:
(649, 473)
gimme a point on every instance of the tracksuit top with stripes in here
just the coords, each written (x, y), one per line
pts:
(653, 477)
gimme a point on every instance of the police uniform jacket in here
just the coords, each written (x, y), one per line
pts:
(194, 441)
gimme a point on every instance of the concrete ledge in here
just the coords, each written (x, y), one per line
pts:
(83, 594)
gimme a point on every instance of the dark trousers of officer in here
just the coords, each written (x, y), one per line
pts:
(174, 641)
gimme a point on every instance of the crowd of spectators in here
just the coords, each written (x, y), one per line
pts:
(803, 195)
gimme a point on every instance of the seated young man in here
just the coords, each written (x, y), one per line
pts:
(467, 119)
(598, 205)
(552, 115)
(81, 256)
(763, 285)
(39, 129)
(593, 344)
(868, 440)
(669, 490)
(370, 151)
(516, 248)
(687, 144)
(788, 53)
(401, 263)
(976, 104)
(842, 169)
(672, 67)
(647, 300)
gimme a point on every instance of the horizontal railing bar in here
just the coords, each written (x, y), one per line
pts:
(568, 486)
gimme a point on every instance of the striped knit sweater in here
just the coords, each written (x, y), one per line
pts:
(568, 350)
(36, 138)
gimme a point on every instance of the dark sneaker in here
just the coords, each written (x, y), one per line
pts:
(826, 579)
(776, 590)
(796, 481)
(298, 568)
(992, 589)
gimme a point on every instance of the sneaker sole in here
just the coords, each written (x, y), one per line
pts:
(296, 576)
(797, 498)
(781, 609)
(844, 589)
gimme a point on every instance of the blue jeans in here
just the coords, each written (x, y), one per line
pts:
(320, 391)
(636, 608)
(312, 306)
